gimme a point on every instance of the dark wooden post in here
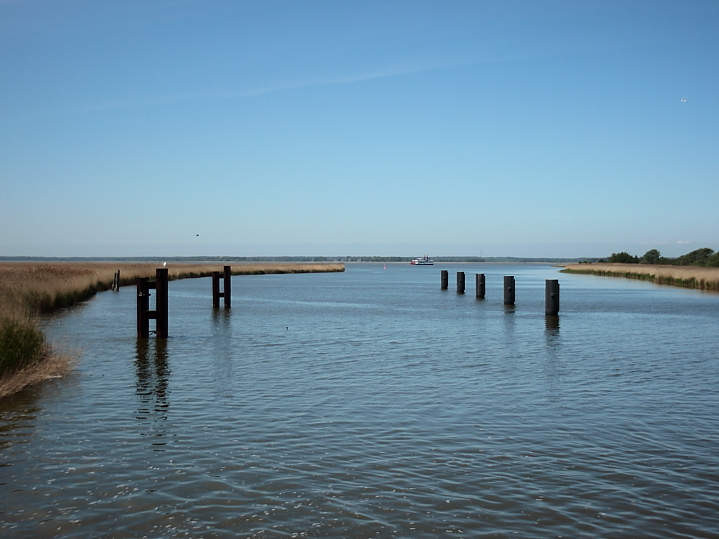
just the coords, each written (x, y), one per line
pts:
(161, 311)
(216, 289)
(508, 290)
(551, 297)
(227, 292)
(460, 282)
(143, 305)
(445, 280)
(480, 285)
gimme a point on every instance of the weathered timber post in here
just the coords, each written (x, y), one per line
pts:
(215, 289)
(143, 306)
(161, 311)
(508, 290)
(445, 280)
(227, 292)
(460, 282)
(116, 281)
(551, 297)
(480, 285)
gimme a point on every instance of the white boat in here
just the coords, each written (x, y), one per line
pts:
(424, 261)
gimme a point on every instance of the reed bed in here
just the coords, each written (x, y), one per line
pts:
(41, 288)
(31, 289)
(699, 277)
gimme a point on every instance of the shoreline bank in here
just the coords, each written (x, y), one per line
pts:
(696, 277)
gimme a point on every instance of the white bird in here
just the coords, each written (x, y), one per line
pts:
(164, 264)
(683, 100)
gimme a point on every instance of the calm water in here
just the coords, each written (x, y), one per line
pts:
(372, 404)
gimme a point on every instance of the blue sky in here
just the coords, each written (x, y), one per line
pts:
(243, 128)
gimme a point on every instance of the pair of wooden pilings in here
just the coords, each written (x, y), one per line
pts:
(160, 314)
(551, 290)
(226, 293)
(144, 314)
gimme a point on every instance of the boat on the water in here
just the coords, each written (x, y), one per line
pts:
(424, 261)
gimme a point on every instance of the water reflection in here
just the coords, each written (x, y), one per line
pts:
(553, 365)
(221, 318)
(222, 351)
(551, 324)
(18, 417)
(152, 388)
(551, 333)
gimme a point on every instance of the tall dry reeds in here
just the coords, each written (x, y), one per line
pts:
(30, 289)
(41, 288)
(699, 277)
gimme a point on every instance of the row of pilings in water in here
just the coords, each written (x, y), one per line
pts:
(160, 313)
(551, 290)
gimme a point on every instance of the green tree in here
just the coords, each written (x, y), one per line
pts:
(698, 257)
(652, 256)
(623, 258)
(713, 261)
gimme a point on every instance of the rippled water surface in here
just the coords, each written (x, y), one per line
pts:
(372, 404)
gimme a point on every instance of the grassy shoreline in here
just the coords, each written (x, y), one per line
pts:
(698, 277)
(31, 289)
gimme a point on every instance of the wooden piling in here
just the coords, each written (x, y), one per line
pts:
(161, 311)
(215, 289)
(445, 280)
(143, 306)
(479, 278)
(508, 290)
(551, 297)
(460, 282)
(227, 292)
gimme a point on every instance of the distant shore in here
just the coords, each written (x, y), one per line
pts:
(685, 276)
(298, 259)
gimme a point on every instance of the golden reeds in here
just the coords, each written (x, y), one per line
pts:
(34, 287)
(687, 276)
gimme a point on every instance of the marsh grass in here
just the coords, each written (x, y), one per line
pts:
(53, 364)
(699, 277)
(21, 343)
(31, 289)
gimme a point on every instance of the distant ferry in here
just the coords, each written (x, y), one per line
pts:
(424, 261)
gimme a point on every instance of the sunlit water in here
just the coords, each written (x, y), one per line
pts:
(373, 404)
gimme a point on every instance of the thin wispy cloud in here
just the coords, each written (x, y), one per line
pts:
(359, 77)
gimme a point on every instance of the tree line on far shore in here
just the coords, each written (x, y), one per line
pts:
(700, 257)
